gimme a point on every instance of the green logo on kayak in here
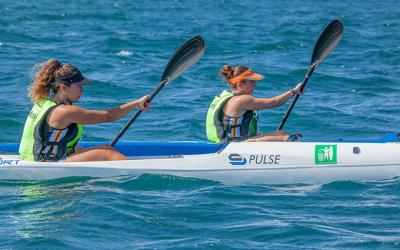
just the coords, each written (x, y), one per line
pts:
(325, 154)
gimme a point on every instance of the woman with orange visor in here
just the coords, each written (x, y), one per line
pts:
(232, 115)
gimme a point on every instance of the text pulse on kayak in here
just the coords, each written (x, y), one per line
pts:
(258, 159)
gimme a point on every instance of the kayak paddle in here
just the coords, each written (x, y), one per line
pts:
(187, 55)
(327, 41)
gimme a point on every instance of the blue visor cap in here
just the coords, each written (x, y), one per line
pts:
(74, 78)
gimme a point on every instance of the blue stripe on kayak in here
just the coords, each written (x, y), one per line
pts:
(182, 148)
(162, 148)
(143, 148)
(9, 147)
(390, 137)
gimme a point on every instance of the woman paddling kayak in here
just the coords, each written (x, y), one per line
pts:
(232, 116)
(55, 125)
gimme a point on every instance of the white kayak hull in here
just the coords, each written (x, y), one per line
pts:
(234, 177)
(237, 163)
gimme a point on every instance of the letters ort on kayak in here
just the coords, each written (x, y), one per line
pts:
(8, 162)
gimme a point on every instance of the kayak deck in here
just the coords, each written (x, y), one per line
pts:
(234, 163)
(137, 148)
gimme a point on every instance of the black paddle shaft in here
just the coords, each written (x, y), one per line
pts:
(187, 55)
(327, 41)
(304, 83)
(133, 118)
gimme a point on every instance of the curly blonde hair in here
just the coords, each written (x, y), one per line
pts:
(43, 81)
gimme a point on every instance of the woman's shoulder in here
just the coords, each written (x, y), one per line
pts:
(67, 108)
(242, 98)
(240, 102)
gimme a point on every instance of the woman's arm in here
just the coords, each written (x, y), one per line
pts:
(249, 102)
(64, 115)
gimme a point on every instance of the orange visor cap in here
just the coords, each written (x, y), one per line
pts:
(248, 74)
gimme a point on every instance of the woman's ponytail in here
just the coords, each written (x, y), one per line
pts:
(228, 72)
(41, 85)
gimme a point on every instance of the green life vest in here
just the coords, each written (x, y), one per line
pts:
(217, 131)
(41, 142)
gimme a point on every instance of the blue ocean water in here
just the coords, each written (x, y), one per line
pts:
(125, 45)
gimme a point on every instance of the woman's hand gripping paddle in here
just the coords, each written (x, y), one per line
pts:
(187, 55)
(327, 41)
